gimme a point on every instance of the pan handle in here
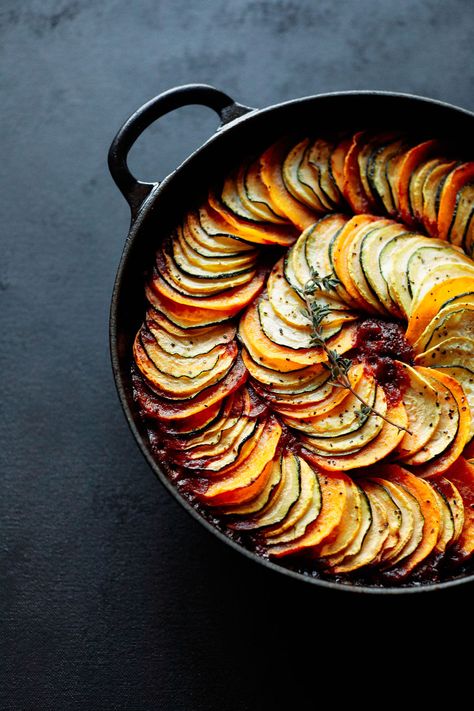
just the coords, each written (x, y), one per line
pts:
(135, 191)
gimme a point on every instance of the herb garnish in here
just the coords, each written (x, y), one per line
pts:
(337, 365)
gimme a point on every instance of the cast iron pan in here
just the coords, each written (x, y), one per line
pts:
(156, 207)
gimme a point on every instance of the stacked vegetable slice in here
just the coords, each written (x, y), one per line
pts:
(383, 173)
(391, 521)
(237, 393)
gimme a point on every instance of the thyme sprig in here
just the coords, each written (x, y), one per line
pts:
(337, 365)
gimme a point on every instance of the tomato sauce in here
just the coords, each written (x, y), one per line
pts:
(379, 344)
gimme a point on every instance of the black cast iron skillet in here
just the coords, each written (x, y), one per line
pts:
(156, 207)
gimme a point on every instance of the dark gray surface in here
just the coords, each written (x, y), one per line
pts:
(113, 598)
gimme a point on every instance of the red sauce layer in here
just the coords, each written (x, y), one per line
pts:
(379, 344)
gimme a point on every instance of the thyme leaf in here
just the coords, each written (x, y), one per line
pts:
(337, 365)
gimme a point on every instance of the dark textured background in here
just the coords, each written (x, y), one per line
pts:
(112, 597)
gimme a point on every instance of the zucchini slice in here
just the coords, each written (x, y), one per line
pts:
(211, 231)
(412, 523)
(209, 246)
(455, 181)
(285, 300)
(452, 321)
(254, 193)
(348, 526)
(326, 519)
(461, 227)
(409, 165)
(179, 366)
(454, 499)
(397, 270)
(233, 409)
(355, 545)
(432, 190)
(289, 528)
(352, 441)
(446, 429)
(199, 287)
(431, 513)
(419, 397)
(288, 336)
(311, 514)
(190, 346)
(257, 504)
(271, 163)
(193, 263)
(373, 249)
(300, 181)
(319, 157)
(457, 350)
(357, 272)
(249, 478)
(283, 497)
(383, 444)
(376, 523)
(291, 383)
(426, 257)
(344, 418)
(378, 493)
(234, 444)
(381, 154)
(417, 181)
(178, 388)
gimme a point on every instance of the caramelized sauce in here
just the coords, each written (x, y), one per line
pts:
(379, 344)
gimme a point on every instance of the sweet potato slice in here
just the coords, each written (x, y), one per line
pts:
(413, 158)
(389, 437)
(461, 474)
(300, 180)
(340, 255)
(428, 502)
(443, 461)
(337, 160)
(172, 410)
(354, 440)
(253, 230)
(348, 526)
(249, 479)
(456, 179)
(452, 496)
(333, 495)
(376, 524)
(271, 163)
(244, 512)
(184, 317)
(353, 190)
(451, 321)
(294, 523)
(445, 427)
(282, 499)
(433, 301)
(355, 546)
(419, 396)
(277, 357)
(432, 188)
(231, 301)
